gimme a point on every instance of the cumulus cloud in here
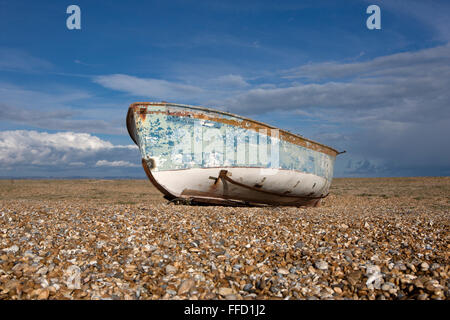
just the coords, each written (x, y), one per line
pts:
(25, 151)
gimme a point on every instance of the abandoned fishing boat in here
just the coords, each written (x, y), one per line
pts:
(207, 156)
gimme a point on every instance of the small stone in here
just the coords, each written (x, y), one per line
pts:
(422, 296)
(186, 286)
(321, 265)
(375, 258)
(171, 292)
(372, 269)
(424, 266)
(43, 294)
(354, 277)
(225, 291)
(324, 294)
(274, 289)
(407, 278)
(388, 286)
(171, 269)
(411, 266)
(73, 280)
(130, 268)
(13, 249)
(433, 286)
(299, 245)
(42, 271)
(247, 287)
(337, 290)
(237, 267)
(283, 271)
(401, 266)
(418, 283)
(435, 266)
(11, 285)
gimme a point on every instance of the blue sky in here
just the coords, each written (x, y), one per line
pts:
(311, 67)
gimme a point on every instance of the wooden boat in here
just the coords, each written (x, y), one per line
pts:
(207, 156)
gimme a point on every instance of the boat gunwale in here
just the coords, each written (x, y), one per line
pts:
(136, 104)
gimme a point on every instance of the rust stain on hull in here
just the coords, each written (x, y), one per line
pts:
(224, 177)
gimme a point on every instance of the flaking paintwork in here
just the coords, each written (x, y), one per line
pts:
(175, 137)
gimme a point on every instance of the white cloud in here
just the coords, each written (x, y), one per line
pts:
(58, 108)
(406, 64)
(148, 87)
(120, 163)
(23, 148)
(404, 87)
(77, 164)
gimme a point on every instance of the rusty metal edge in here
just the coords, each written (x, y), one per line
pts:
(133, 105)
(224, 202)
(152, 179)
(129, 120)
(188, 193)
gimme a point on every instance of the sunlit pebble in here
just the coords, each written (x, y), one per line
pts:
(357, 247)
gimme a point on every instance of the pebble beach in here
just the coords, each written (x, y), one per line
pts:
(377, 238)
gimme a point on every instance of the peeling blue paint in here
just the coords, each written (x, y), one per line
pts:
(178, 141)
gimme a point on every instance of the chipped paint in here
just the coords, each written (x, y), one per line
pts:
(174, 137)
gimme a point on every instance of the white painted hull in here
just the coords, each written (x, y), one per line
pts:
(293, 185)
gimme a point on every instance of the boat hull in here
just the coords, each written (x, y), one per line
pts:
(208, 156)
